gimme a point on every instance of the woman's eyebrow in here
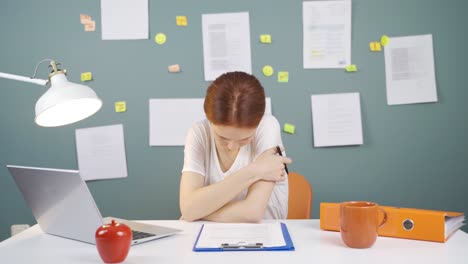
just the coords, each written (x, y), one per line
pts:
(237, 140)
(248, 137)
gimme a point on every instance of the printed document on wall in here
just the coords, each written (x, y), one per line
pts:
(226, 43)
(326, 34)
(409, 70)
(171, 118)
(124, 19)
(101, 152)
(336, 119)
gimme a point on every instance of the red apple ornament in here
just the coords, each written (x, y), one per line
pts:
(113, 242)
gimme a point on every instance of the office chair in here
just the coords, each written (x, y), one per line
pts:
(300, 197)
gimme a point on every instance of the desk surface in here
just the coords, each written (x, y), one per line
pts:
(312, 246)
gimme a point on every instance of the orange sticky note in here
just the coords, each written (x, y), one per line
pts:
(181, 21)
(120, 107)
(85, 19)
(174, 68)
(375, 46)
(91, 26)
(283, 77)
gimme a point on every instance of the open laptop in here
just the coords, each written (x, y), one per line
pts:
(63, 205)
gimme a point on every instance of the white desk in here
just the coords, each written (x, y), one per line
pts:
(312, 246)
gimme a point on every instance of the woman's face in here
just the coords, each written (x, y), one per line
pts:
(232, 138)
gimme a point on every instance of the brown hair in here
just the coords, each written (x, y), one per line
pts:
(235, 99)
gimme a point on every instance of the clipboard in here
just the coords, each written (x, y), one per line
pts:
(247, 247)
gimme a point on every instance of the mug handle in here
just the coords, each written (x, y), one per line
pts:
(384, 220)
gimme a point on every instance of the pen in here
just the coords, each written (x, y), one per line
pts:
(281, 154)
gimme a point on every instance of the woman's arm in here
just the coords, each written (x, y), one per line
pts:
(249, 210)
(198, 201)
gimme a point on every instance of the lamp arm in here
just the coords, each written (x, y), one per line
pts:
(23, 79)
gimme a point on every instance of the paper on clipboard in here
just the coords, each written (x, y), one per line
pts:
(214, 235)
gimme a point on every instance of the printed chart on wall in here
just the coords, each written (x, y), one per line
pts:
(409, 70)
(226, 44)
(327, 34)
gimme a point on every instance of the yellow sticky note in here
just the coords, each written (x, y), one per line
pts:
(283, 77)
(160, 38)
(265, 38)
(181, 21)
(268, 70)
(384, 40)
(120, 107)
(351, 68)
(86, 76)
(289, 128)
(375, 46)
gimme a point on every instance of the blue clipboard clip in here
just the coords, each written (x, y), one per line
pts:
(241, 245)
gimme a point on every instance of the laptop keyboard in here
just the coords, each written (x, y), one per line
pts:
(139, 235)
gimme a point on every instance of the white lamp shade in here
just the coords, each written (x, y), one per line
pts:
(65, 103)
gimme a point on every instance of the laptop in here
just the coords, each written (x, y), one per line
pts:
(63, 206)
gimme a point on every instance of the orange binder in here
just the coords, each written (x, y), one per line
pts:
(408, 223)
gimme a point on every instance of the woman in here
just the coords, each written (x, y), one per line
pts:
(232, 171)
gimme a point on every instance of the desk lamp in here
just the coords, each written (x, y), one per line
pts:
(64, 102)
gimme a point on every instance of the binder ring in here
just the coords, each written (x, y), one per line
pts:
(408, 224)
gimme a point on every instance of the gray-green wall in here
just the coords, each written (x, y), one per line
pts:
(412, 156)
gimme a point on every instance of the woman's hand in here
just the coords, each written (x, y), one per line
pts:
(269, 166)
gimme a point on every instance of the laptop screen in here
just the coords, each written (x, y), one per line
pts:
(60, 201)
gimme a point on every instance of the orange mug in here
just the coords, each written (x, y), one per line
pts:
(359, 222)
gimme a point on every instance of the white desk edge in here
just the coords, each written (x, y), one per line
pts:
(312, 246)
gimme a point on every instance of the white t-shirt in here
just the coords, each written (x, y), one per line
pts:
(200, 157)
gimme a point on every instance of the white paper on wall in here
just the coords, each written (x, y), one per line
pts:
(170, 119)
(409, 70)
(336, 119)
(101, 152)
(124, 19)
(226, 44)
